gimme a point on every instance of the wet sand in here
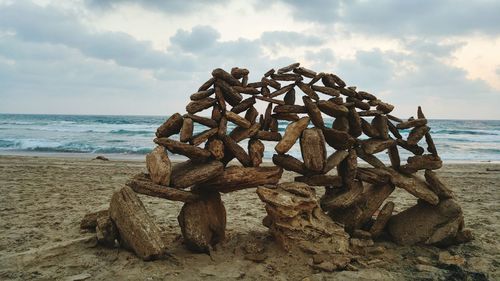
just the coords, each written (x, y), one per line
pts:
(43, 200)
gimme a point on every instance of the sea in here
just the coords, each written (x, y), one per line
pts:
(132, 137)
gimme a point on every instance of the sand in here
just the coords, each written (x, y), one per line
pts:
(43, 200)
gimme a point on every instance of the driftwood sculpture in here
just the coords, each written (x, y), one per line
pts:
(356, 124)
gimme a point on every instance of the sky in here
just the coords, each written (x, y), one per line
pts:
(147, 57)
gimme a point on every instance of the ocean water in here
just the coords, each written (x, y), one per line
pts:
(460, 140)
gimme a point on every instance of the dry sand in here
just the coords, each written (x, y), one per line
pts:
(43, 200)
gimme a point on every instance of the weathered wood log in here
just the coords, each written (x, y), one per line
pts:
(415, 149)
(225, 76)
(368, 129)
(187, 173)
(341, 123)
(207, 84)
(369, 158)
(380, 124)
(343, 199)
(414, 185)
(236, 178)
(237, 151)
(230, 95)
(313, 112)
(326, 90)
(305, 72)
(271, 82)
(288, 68)
(289, 98)
(239, 73)
(373, 175)
(411, 123)
(334, 160)
(199, 105)
(416, 134)
(364, 113)
(286, 116)
(186, 130)
(332, 80)
(347, 169)
(318, 77)
(420, 113)
(292, 133)
(246, 90)
(308, 91)
(348, 92)
(89, 221)
(282, 91)
(421, 162)
(244, 105)
(216, 113)
(437, 186)
(222, 129)
(106, 231)
(251, 114)
(268, 136)
(431, 147)
(256, 152)
(394, 157)
(202, 94)
(216, 147)
(290, 163)
(359, 104)
(372, 146)
(394, 118)
(354, 123)
(320, 180)
(393, 130)
(192, 152)
(170, 127)
(203, 223)
(244, 81)
(144, 185)
(266, 99)
(338, 139)
(135, 226)
(332, 109)
(202, 120)
(239, 133)
(267, 117)
(385, 107)
(265, 92)
(202, 136)
(382, 218)
(274, 125)
(312, 147)
(286, 77)
(159, 166)
(221, 101)
(366, 96)
(238, 120)
(290, 109)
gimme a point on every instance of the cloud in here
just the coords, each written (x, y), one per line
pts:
(169, 6)
(290, 39)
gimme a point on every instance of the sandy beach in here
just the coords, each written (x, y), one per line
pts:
(43, 200)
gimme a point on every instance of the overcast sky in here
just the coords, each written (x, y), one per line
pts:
(147, 57)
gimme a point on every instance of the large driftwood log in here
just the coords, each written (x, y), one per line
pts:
(202, 120)
(201, 137)
(372, 146)
(320, 180)
(237, 151)
(380, 124)
(308, 91)
(411, 123)
(216, 147)
(354, 123)
(338, 139)
(187, 173)
(202, 94)
(89, 221)
(382, 218)
(312, 147)
(416, 134)
(333, 160)
(186, 130)
(292, 133)
(442, 191)
(192, 152)
(238, 120)
(251, 114)
(415, 149)
(421, 162)
(239, 133)
(341, 123)
(143, 185)
(199, 105)
(414, 185)
(207, 84)
(369, 158)
(135, 226)
(290, 97)
(170, 127)
(288, 68)
(368, 129)
(290, 163)
(244, 105)
(227, 77)
(343, 199)
(159, 166)
(268, 136)
(373, 175)
(313, 112)
(332, 109)
(256, 152)
(235, 178)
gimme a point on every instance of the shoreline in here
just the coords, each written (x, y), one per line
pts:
(175, 158)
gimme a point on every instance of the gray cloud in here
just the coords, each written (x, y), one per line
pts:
(290, 39)
(168, 6)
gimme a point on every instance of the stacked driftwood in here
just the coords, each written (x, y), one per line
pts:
(362, 127)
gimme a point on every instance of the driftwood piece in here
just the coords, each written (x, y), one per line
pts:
(312, 147)
(305, 72)
(267, 117)
(203, 222)
(416, 134)
(274, 125)
(266, 99)
(187, 173)
(411, 123)
(281, 91)
(269, 72)
(290, 163)
(332, 80)
(369, 158)
(290, 109)
(159, 166)
(238, 134)
(251, 114)
(236, 178)
(326, 90)
(219, 96)
(366, 96)
(290, 97)
(421, 162)
(382, 218)
(222, 129)
(338, 139)
(394, 157)
(392, 128)
(135, 226)
(143, 185)
(238, 120)
(230, 95)
(380, 124)
(372, 112)
(368, 129)
(318, 77)
(89, 221)
(359, 104)
(320, 180)
(202, 120)
(333, 160)
(437, 186)
(347, 168)
(207, 84)
(246, 90)
(313, 112)
(373, 175)
(203, 136)
(239, 73)
(225, 76)
(286, 116)
(192, 152)
(332, 109)
(414, 185)
(308, 91)
(268, 136)
(187, 130)
(292, 133)
(431, 147)
(415, 149)
(199, 105)
(372, 146)
(286, 77)
(385, 107)
(343, 199)
(341, 123)
(170, 127)
(106, 231)
(202, 94)
(236, 150)
(288, 68)
(216, 147)
(244, 105)
(256, 152)
(354, 123)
